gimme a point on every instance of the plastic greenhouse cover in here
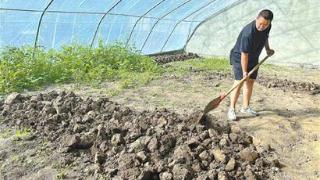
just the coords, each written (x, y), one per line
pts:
(92, 6)
(212, 9)
(22, 4)
(150, 25)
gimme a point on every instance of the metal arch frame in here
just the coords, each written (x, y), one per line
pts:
(129, 38)
(240, 17)
(99, 24)
(176, 25)
(39, 24)
(81, 12)
(209, 18)
(160, 20)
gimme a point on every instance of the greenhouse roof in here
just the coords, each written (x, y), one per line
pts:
(151, 26)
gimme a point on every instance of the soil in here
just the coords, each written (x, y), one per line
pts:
(100, 138)
(288, 121)
(150, 132)
(163, 59)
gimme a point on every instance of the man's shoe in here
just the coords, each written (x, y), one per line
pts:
(232, 114)
(249, 111)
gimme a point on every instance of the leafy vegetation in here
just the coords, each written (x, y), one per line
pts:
(23, 68)
(22, 133)
(18, 133)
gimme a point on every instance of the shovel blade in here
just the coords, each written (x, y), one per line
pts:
(209, 107)
(212, 105)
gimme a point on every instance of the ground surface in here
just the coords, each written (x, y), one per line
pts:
(289, 119)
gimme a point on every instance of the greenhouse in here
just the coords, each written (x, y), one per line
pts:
(160, 26)
(159, 89)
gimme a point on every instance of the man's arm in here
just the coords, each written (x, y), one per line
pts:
(245, 46)
(244, 63)
(269, 51)
(266, 45)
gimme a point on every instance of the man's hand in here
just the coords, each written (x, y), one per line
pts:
(270, 52)
(245, 75)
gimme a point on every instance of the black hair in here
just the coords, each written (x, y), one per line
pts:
(267, 14)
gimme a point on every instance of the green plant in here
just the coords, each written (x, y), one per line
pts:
(62, 175)
(22, 133)
(20, 70)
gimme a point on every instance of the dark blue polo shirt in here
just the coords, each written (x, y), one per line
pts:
(250, 41)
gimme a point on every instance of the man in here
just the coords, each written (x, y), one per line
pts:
(244, 56)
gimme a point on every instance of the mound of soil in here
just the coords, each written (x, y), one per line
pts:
(166, 58)
(105, 139)
(269, 82)
(285, 84)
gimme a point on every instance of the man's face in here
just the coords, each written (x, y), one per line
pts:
(262, 23)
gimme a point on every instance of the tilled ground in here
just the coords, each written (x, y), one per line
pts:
(273, 82)
(100, 138)
(269, 82)
(166, 58)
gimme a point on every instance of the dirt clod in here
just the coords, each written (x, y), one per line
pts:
(99, 137)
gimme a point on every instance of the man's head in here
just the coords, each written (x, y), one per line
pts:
(264, 19)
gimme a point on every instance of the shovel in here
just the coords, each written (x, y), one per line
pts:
(215, 102)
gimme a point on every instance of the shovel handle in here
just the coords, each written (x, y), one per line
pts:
(243, 79)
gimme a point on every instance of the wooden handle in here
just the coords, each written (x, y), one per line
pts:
(243, 79)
